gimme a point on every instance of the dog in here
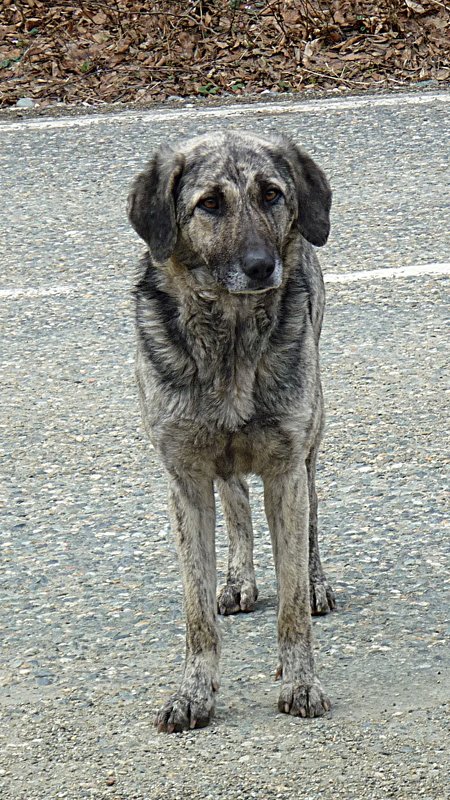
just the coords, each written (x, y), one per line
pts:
(229, 306)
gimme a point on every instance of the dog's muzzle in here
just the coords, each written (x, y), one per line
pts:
(259, 271)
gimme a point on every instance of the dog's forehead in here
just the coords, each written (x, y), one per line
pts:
(229, 156)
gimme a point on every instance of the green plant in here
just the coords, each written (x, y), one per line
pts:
(8, 61)
(209, 88)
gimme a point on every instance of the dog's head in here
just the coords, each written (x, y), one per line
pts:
(226, 206)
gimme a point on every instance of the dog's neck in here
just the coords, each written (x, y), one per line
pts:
(240, 324)
(213, 347)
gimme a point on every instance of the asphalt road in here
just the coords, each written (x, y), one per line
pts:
(91, 621)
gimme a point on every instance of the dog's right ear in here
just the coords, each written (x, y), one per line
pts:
(151, 203)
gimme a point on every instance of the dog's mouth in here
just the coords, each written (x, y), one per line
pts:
(255, 289)
(235, 281)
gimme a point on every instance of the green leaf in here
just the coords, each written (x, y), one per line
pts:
(209, 88)
(8, 61)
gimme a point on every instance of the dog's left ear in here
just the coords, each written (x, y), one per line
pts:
(313, 194)
(151, 203)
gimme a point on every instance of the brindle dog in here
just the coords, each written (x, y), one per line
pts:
(229, 310)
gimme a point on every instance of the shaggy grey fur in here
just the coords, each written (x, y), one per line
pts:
(229, 309)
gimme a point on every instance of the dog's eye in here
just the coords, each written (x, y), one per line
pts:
(271, 195)
(210, 203)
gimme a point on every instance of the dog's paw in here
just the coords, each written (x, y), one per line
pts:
(301, 700)
(322, 597)
(235, 597)
(182, 713)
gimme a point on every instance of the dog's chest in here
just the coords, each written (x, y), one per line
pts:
(226, 348)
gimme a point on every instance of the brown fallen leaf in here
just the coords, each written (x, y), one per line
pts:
(311, 48)
(415, 7)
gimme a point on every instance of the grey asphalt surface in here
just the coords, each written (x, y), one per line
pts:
(91, 619)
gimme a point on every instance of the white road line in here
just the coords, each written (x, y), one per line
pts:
(388, 272)
(330, 277)
(247, 109)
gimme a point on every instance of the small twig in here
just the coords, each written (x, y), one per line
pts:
(119, 17)
(331, 76)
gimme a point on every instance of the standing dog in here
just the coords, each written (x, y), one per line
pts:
(229, 310)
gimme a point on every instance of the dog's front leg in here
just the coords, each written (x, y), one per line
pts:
(192, 512)
(287, 509)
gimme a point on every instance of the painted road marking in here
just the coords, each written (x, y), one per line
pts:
(247, 109)
(388, 272)
(331, 277)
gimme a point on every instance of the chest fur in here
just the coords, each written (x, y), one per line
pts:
(221, 362)
(226, 346)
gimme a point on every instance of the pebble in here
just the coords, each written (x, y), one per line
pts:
(25, 102)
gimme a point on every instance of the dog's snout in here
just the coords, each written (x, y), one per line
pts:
(258, 264)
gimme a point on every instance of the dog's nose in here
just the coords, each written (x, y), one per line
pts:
(258, 264)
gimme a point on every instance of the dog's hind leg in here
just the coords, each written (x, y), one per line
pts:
(240, 592)
(321, 594)
(192, 512)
